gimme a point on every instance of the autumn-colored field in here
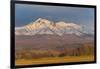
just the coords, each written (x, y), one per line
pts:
(49, 60)
(48, 49)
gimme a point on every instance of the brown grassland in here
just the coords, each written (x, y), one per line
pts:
(50, 60)
(82, 53)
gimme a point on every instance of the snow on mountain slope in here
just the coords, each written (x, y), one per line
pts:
(44, 26)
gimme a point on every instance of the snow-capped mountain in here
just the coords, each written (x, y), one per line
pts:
(44, 26)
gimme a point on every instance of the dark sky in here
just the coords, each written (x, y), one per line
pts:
(25, 14)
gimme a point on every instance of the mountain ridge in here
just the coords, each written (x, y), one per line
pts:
(44, 26)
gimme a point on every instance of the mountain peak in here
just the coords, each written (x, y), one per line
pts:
(42, 20)
(44, 26)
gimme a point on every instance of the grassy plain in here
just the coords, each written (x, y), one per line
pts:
(50, 60)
